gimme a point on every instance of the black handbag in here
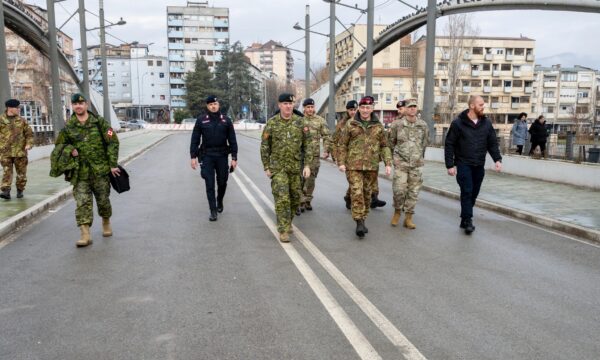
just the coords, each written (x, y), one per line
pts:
(119, 183)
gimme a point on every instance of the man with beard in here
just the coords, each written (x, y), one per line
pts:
(470, 137)
(217, 135)
(351, 108)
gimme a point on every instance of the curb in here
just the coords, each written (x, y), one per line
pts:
(27, 216)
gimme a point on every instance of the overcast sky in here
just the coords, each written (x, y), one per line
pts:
(561, 37)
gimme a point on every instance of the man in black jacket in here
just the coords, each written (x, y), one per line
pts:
(217, 135)
(470, 137)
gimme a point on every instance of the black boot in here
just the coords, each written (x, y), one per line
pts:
(19, 194)
(308, 206)
(375, 202)
(220, 205)
(360, 228)
(213, 215)
(468, 226)
(298, 211)
(348, 203)
(5, 194)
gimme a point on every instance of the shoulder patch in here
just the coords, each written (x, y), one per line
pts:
(109, 132)
(265, 135)
(306, 129)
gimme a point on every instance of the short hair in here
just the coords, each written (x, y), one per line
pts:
(540, 117)
(472, 99)
(521, 115)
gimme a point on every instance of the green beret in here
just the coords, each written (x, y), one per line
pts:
(76, 98)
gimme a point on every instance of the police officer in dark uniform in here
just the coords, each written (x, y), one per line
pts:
(213, 139)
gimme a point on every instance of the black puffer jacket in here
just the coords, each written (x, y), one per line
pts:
(538, 132)
(467, 143)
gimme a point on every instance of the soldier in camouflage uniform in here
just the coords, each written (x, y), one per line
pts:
(283, 139)
(16, 139)
(318, 130)
(362, 145)
(351, 108)
(409, 136)
(85, 130)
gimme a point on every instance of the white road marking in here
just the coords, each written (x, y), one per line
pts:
(361, 345)
(408, 350)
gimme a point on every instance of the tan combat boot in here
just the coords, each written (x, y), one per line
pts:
(283, 237)
(396, 217)
(106, 228)
(85, 236)
(408, 223)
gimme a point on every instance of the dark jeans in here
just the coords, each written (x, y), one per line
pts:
(542, 146)
(469, 179)
(520, 149)
(211, 164)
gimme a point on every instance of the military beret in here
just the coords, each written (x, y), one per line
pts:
(410, 102)
(287, 97)
(77, 97)
(400, 104)
(308, 101)
(352, 104)
(211, 99)
(367, 100)
(12, 103)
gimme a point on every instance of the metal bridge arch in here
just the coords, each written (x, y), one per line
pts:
(409, 24)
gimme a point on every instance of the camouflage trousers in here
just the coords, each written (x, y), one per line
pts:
(309, 183)
(406, 185)
(362, 184)
(84, 193)
(286, 189)
(20, 165)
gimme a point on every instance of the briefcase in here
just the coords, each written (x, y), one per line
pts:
(120, 183)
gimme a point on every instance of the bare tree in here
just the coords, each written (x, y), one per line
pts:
(321, 74)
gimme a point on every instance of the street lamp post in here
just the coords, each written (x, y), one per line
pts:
(84, 52)
(307, 53)
(429, 64)
(331, 102)
(4, 79)
(370, 25)
(57, 116)
(106, 100)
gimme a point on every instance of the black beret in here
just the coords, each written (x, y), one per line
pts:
(308, 101)
(12, 103)
(367, 100)
(77, 97)
(211, 99)
(287, 97)
(352, 104)
(400, 104)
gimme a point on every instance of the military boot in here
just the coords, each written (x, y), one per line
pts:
(106, 228)
(213, 215)
(375, 202)
(396, 217)
(308, 206)
(19, 194)
(348, 203)
(85, 239)
(408, 223)
(298, 211)
(360, 228)
(284, 237)
(5, 194)
(302, 206)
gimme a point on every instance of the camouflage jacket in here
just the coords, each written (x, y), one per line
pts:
(286, 144)
(408, 141)
(86, 138)
(15, 134)
(318, 130)
(339, 128)
(362, 145)
(61, 162)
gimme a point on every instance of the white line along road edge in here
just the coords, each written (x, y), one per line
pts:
(360, 343)
(408, 350)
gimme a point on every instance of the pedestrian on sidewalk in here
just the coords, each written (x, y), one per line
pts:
(213, 139)
(285, 145)
(318, 129)
(470, 137)
(16, 139)
(539, 135)
(96, 147)
(351, 109)
(519, 132)
(362, 146)
(408, 140)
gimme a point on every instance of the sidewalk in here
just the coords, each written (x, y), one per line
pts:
(571, 209)
(41, 187)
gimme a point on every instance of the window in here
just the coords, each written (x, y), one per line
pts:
(518, 83)
(477, 51)
(567, 93)
(158, 62)
(519, 52)
(398, 83)
(505, 67)
(496, 83)
(388, 98)
(150, 63)
(162, 97)
(209, 52)
(161, 75)
(549, 94)
(499, 51)
(568, 76)
(507, 83)
(583, 95)
(442, 66)
(376, 82)
(463, 98)
(486, 67)
(125, 84)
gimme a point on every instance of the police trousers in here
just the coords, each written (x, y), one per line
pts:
(212, 165)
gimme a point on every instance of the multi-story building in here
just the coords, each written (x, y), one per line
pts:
(566, 96)
(193, 30)
(500, 69)
(272, 57)
(395, 76)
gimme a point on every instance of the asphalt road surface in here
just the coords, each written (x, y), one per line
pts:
(172, 285)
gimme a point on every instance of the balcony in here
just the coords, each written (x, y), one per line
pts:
(495, 105)
(585, 84)
(474, 72)
(177, 103)
(549, 100)
(568, 84)
(509, 57)
(508, 89)
(466, 89)
(568, 100)
(495, 72)
(467, 56)
(220, 23)
(178, 92)
(489, 57)
(444, 88)
(221, 35)
(550, 84)
(446, 56)
(516, 105)
(530, 57)
(176, 46)
(583, 100)
(175, 22)
(176, 57)
(176, 81)
(487, 89)
(175, 34)
(528, 89)
(220, 46)
(517, 73)
(176, 69)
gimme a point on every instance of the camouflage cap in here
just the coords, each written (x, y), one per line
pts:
(410, 102)
(12, 103)
(287, 97)
(77, 98)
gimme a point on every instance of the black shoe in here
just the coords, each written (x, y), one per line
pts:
(360, 228)
(213, 215)
(220, 206)
(308, 206)
(348, 203)
(462, 223)
(19, 194)
(5, 194)
(366, 229)
(469, 227)
(375, 202)
(301, 207)
(298, 211)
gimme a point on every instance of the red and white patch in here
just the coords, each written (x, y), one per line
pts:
(109, 132)
(306, 129)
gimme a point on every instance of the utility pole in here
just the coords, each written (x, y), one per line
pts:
(57, 115)
(4, 79)
(107, 106)
(307, 53)
(429, 63)
(331, 102)
(85, 85)
(370, 26)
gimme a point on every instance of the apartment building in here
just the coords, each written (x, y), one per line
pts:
(395, 76)
(193, 30)
(501, 69)
(567, 96)
(272, 57)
